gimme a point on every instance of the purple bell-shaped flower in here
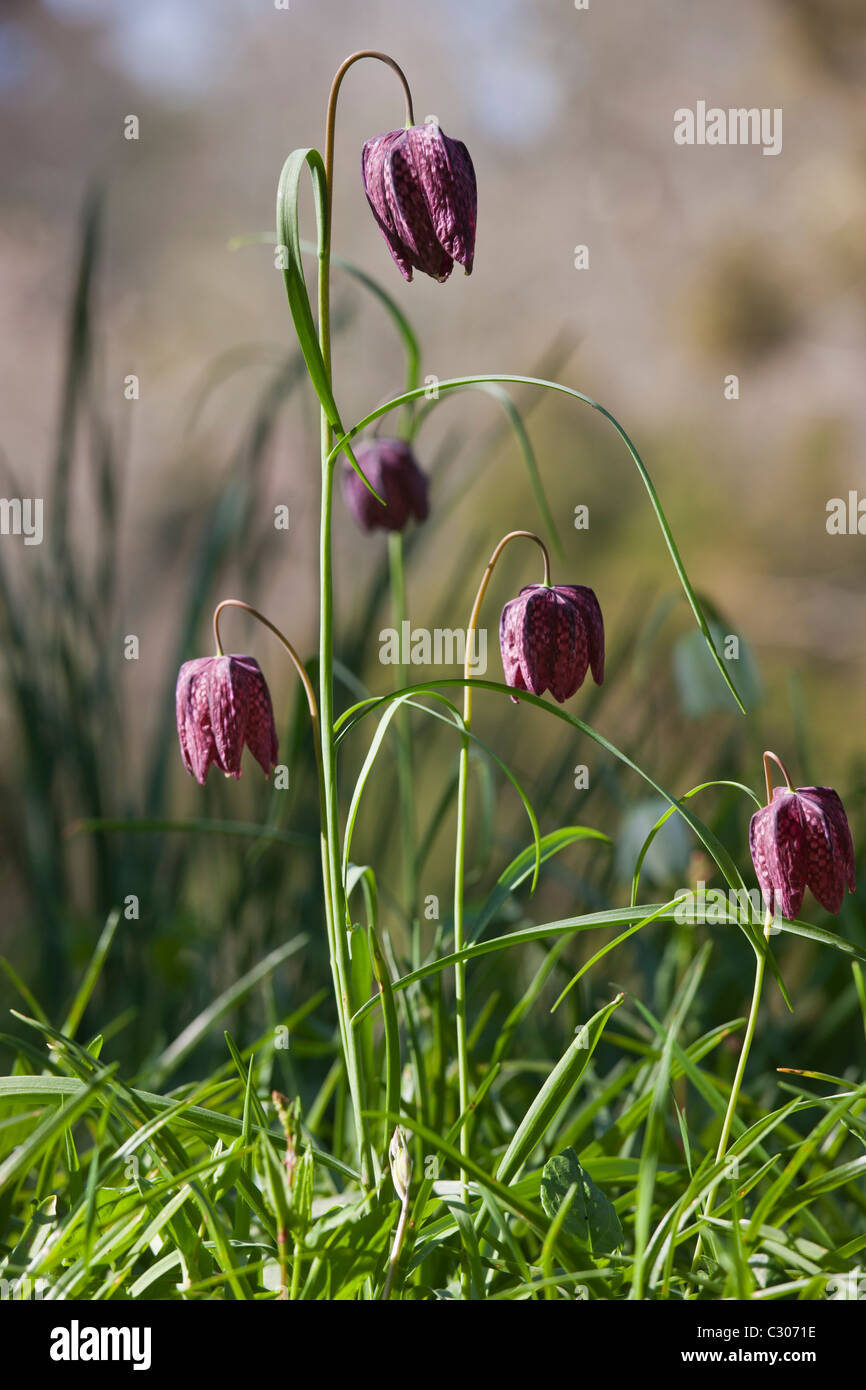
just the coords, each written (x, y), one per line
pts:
(549, 637)
(802, 840)
(223, 703)
(390, 466)
(421, 187)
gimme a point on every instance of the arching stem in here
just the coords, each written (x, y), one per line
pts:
(334, 93)
(768, 774)
(281, 637)
(479, 599)
(330, 133)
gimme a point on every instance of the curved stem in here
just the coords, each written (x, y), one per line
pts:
(330, 131)
(331, 119)
(460, 846)
(479, 599)
(266, 622)
(768, 775)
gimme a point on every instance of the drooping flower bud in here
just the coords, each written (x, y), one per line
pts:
(390, 466)
(223, 703)
(401, 1163)
(421, 187)
(802, 840)
(549, 637)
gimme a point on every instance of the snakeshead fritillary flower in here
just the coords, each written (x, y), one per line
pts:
(802, 840)
(421, 187)
(391, 468)
(549, 637)
(222, 704)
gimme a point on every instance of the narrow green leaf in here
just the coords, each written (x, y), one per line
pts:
(523, 865)
(554, 1093)
(288, 239)
(455, 721)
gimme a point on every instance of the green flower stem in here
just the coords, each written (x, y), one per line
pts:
(296, 1272)
(406, 791)
(331, 865)
(343, 1003)
(344, 1013)
(460, 846)
(760, 962)
(404, 751)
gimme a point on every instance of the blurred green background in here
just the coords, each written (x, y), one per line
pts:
(117, 259)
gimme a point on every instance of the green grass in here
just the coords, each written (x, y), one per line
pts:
(111, 1190)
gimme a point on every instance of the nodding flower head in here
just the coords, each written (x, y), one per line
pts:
(549, 637)
(802, 840)
(421, 187)
(390, 466)
(223, 703)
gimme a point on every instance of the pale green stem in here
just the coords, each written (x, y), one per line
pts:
(727, 1124)
(760, 963)
(296, 1272)
(460, 846)
(396, 1248)
(332, 871)
(325, 803)
(404, 751)
(406, 785)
